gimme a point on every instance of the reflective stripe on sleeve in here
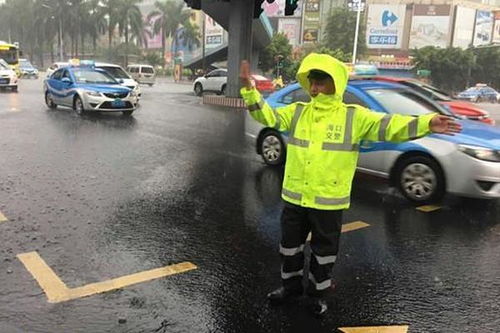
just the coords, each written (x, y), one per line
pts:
(384, 123)
(413, 128)
(298, 142)
(321, 285)
(324, 260)
(332, 201)
(291, 251)
(291, 195)
(285, 275)
(257, 106)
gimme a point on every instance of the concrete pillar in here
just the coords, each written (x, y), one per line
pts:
(240, 42)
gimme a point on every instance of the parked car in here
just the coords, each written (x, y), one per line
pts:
(466, 164)
(479, 93)
(27, 69)
(144, 74)
(8, 77)
(461, 108)
(85, 88)
(55, 66)
(216, 81)
(119, 74)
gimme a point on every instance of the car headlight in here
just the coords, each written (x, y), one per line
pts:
(133, 93)
(480, 153)
(93, 93)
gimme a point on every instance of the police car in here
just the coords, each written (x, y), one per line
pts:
(466, 164)
(85, 88)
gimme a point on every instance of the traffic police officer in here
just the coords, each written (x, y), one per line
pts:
(322, 153)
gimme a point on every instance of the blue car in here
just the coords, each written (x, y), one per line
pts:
(479, 93)
(87, 89)
(467, 164)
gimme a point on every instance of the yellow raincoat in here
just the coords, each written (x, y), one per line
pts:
(325, 134)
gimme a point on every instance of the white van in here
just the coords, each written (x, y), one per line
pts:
(142, 73)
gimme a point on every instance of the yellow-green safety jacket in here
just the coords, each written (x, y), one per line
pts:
(325, 135)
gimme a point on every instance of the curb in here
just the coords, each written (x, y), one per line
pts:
(224, 101)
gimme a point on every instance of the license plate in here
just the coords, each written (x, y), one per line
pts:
(118, 103)
(4, 81)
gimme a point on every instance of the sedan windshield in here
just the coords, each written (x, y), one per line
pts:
(116, 72)
(89, 76)
(403, 102)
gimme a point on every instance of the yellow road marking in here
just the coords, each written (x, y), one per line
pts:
(3, 218)
(56, 291)
(428, 208)
(348, 227)
(375, 329)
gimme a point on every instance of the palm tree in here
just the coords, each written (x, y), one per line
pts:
(170, 15)
(130, 22)
(190, 35)
(110, 8)
(95, 23)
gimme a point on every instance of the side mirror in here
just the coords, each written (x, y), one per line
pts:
(66, 80)
(120, 81)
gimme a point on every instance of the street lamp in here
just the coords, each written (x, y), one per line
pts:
(61, 46)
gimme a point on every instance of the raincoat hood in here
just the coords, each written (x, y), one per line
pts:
(328, 64)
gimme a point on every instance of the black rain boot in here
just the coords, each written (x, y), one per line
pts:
(281, 295)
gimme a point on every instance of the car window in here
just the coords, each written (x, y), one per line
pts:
(223, 73)
(133, 69)
(214, 74)
(403, 102)
(147, 70)
(57, 75)
(116, 72)
(65, 73)
(350, 98)
(298, 95)
(92, 76)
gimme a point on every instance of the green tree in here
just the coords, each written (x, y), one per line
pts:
(449, 67)
(190, 35)
(278, 48)
(169, 15)
(486, 66)
(130, 22)
(340, 30)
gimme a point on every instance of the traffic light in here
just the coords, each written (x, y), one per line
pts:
(195, 4)
(290, 7)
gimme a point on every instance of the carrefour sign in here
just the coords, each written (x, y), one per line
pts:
(385, 26)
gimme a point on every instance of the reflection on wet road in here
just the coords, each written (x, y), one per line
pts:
(104, 196)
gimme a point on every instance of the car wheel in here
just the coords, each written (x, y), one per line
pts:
(127, 113)
(272, 149)
(420, 179)
(78, 106)
(198, 89)
(223, 90)
(49, 101)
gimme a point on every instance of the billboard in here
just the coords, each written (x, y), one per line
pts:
(484, 27)
(214, 33)
(310, 32)
(277, 9)
(496, 27)
(385, 25)
(291, 28)
(464, 27)
(151, 40)
(430, 26)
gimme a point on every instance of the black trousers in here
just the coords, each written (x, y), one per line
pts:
(325, 227)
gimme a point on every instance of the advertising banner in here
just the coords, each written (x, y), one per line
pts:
(277, 9)
(430, 26)
(311, 21)
(291, 28)
(496, 28)
(214, 33)
(484, 27)
(385, 25)
(152, 41)
(464, 27)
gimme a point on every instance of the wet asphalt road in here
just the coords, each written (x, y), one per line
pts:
(106, 196)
